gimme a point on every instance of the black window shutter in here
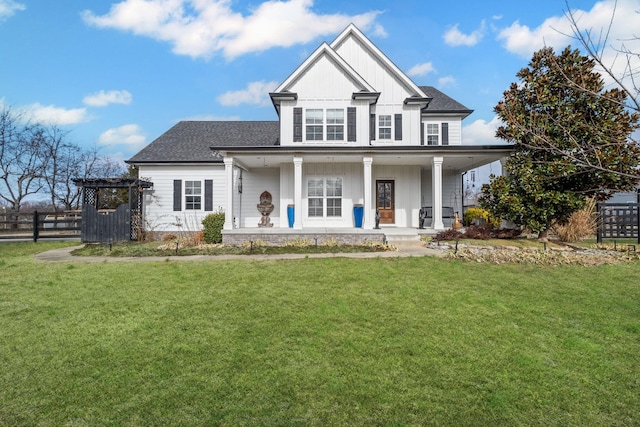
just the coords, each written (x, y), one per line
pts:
(421, 133)
(351, 123)
(445, 134)
(208, 194)
(372, 127)
(398, 127)
(177, 195)
(297, 124)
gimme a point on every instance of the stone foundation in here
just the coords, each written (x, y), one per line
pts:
(274, 238)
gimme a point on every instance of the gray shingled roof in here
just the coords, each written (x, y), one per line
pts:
(191, 141)
(442, 103)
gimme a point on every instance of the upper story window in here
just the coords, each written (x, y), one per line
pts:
(314, 120)
(335, 125)
(384, 127)
(317, 124)
(433, 134)
(192, 195)
(437, 133)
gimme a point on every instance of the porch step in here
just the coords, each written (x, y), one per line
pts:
(402, 235)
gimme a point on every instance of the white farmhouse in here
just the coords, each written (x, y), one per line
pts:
(358, 150)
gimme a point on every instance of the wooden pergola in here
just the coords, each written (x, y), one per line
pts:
(124, 223)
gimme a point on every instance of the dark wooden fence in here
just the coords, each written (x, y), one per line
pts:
(40, 225)
(618, 221)
(106, 226)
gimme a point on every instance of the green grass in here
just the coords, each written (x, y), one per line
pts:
(398, 341)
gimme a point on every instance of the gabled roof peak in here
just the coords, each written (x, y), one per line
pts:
(353, 31)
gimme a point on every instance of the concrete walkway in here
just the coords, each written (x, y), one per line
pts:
(407, 249)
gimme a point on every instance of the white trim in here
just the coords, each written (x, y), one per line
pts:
(437, 193)
(352, 30)
(297, 192)
(368, 208)
(228, 214)
(325, 49)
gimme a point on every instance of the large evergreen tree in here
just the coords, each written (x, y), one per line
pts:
(571, 140)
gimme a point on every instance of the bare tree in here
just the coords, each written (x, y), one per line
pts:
(609, 54)
(613, 59)
(21, 158)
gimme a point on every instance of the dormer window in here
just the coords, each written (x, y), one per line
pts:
(384, 127)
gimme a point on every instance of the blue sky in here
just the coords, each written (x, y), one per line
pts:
(120, 73)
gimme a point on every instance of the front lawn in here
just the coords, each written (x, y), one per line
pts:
(334, 341)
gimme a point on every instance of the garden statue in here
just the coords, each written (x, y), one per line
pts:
(265, 207)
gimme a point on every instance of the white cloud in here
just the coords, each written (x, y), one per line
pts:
(446, 81)
(481, 132)
(124, 135)
(201, 28)
(256, 93)
(421, 69)
(50, 114)
(556, 32)
(102, 98)
(9, 7)
(454, 37)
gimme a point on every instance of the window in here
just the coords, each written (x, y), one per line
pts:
(192, 195)
(324, 197)
(316, 197)
(334, 197)
(433, 134)
(335, 125)
(314, 121)
(384, 126)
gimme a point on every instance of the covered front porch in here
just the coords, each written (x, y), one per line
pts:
(314, 192)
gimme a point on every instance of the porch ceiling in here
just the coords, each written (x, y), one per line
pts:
(457, 158)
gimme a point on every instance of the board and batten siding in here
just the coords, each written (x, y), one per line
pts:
(254, 183)
(407, 192)
(365, 63)
(451, 189)
(352, 191)
(158, 202)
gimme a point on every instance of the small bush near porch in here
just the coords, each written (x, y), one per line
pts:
(399, 341)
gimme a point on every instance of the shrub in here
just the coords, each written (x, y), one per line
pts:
(474, 213)
(449, 234)
(581, 224)
(167, 237)
(213, 224)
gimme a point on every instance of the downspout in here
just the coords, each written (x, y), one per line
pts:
(240, 198)
(462, 188)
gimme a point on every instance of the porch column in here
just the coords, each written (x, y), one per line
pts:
(297, 192)
(368, 208)
(228, 214)
(503, 169)
(437, 193)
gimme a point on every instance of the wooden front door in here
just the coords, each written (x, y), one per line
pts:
(385, 203)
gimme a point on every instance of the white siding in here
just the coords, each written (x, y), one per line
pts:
(451, 189)
(455, 128)
(158, 202)
(374, 72)
(324, 80)
(407, 192)
(254, 183)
